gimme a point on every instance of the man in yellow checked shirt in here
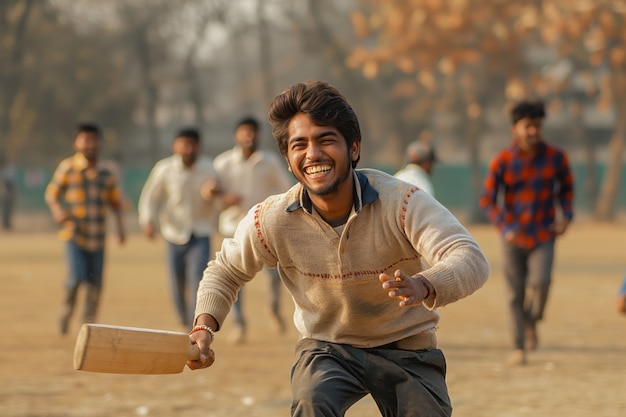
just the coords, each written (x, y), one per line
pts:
(79, 194)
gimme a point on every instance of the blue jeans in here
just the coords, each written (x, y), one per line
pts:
(528, 274)
(273, 300)
(84, 267)
(186, 265)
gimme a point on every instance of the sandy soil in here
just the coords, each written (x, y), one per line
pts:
(578, 371)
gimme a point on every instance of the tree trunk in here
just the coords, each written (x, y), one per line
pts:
(605, 209)
(580, 136)
(474, 130)
(606, 206)
(12, 81)
(265, 56)
(195, 88)
(150, 92)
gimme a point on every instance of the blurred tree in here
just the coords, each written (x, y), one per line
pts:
(141, 30)
(54, 85)
(212, 12)
(319, 27)
(457, 57)
(160, 41)
(591, 33)
(14, 16)
(468, 57)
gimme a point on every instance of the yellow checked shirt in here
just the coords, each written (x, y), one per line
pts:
(86, 194)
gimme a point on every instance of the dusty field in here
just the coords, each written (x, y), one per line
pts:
(578, 371)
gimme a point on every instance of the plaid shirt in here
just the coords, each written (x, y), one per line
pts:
(521, 191)
(86, 194)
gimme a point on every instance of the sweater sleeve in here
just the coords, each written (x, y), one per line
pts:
(238, 261)
(458, 267)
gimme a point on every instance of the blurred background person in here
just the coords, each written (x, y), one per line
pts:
(180, 198)
(420, 162)
(251, 174)
(8, 192)
(528, 194)
(621, 297)
(79, 194)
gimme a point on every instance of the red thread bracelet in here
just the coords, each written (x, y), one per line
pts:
(203, 327)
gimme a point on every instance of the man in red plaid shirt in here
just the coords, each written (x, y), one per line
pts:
(528, 195)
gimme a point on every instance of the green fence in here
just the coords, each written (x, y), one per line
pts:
(452, 186)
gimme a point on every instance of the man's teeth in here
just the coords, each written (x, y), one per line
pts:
(318, 169)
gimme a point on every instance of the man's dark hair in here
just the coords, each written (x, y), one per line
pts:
(323, 103)
(87, 128)
(190, 133)
(248, 121)
(527, 109)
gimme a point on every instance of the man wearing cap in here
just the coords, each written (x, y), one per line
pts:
(420, 157)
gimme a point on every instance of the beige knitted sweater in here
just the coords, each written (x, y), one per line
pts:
(333, 279)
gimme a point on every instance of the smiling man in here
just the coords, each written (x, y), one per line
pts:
(348, 245)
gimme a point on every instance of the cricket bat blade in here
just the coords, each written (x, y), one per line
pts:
(132, 350)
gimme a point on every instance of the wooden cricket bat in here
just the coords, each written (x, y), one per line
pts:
(132, 350)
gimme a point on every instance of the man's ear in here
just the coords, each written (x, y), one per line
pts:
(355, 151)
(288, 165)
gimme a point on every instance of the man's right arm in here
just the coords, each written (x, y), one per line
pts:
(54, 192)
(148, 204)
(489, 198)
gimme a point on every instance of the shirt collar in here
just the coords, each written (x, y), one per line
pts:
(179, 165)
(411, 166)
(238, 151)
(364, 193)
(80, 162)
(541, 148)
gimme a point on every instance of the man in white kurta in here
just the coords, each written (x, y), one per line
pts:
(179, 198)
(252, 174)
(420, 157)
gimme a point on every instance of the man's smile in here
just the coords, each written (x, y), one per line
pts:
(316, 171)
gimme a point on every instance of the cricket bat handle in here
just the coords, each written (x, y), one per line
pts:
(194, 352)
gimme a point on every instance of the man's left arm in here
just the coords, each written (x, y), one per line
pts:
(458, 265)
(115, 201)
(565, 196)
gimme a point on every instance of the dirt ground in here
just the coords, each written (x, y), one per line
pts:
(579, 369)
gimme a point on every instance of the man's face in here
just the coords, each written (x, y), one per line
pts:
(88, 144)
(246, 136)
(318, 156)
(187, 148)
(527, 132)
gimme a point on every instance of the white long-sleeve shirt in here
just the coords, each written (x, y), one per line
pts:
(416, 175)
(171, 198)
(253, 179)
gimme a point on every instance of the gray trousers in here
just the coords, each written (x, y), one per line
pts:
(328, 378)
(528, 274)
